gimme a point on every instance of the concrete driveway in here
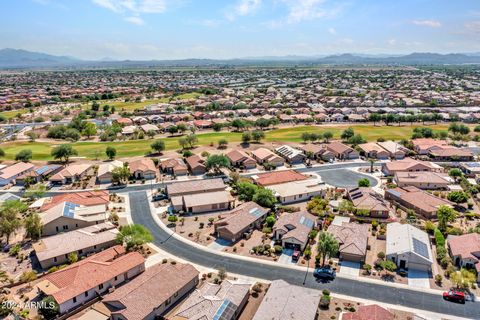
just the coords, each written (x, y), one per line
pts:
(349, 268)
(219, 244)
(419, 279)
(286, 257)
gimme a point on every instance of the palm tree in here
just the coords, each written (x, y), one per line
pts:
(327, 246)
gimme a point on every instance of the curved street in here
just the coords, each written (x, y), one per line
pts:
(140, 210)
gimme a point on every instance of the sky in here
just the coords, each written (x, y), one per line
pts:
(224, 29)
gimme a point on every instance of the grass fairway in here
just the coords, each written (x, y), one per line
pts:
(92, 150)
(11, 114)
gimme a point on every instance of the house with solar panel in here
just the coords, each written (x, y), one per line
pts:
(241, 221)
(223, 301)
(68, 216)
(292, 229)
(291, 155)
(39, 174)
(408, 247)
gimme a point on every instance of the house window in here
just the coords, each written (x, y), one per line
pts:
(175, 294)
(100, 287)
(55, 259)
(95, 247)
(74, 299)
(80, 251)
(116, 277)
(65, 227)
(86, 293)
(56, 228)
(168, 301)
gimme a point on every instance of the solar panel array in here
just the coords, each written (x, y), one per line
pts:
(473, 164)
(226, 311)
(285, 151)
(306, 222)
(420, 248)
(256, 212)
(68, 209)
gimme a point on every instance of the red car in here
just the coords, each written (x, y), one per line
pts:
(296, 255)
(455, 296)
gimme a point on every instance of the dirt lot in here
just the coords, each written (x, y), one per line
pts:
(254, 301)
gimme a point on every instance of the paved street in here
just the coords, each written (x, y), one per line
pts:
(425, 301)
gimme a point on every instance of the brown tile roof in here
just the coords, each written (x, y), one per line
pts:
(371, 312)
(409, 163)
(465, 245)
(142, 165)
(353, 237)
(71, 171)
(15, 169)
(422, 177)
(314, 148)
(195, 161)
(297, 220)
(195, 186)
(451, 152)
(366, 198)
(90, 272)
(338, 147)
(277, 177)
(151, 289)
(238, 155)
(241, 217)
(419, 198)
(86, 198)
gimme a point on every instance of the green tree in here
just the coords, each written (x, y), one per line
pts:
(270, 221)
(463, 278)
(191, 140)
(265, 198)
(246, 190)
(32, 135)
(172, 130)
(246, 137)
(445, 214)
(216, 162)
(455, 173)
(2, 153)
(120, 174)
(258, 135)
(151, 133)
(375, 117)
(33, 226)
(458, 196)
(133, 235)
(222, 143)
(347, 134)
(158, 146)
(24, 155)
(327, 246)
(9, 221)
(36, 192)
(305, 136)
(63, 152)
(90, 129)
(49, 308)
(327, 136)
(364, 182)
(238, 124)
(345, 206)
(111, 152)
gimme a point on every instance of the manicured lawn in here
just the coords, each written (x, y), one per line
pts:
(91, 150)
(13, 113)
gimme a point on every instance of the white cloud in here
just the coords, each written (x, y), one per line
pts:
(392, 42)
(243, 8)
(211, 23)
(427, 23)
(135, 20)
(332, 31)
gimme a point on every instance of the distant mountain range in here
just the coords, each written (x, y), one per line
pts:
(22, 59)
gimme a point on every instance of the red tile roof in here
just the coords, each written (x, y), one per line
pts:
(86, 198)
(91, 272)
(277, 177)
(371, 312)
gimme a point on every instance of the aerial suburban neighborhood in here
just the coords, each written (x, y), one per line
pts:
(187, 160)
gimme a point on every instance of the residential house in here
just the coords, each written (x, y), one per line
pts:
(152, 293)
(373, 150)
(265, 156)
(174, 166)
(195, 186)
(143, 168)
(342, 151)
(8, 197)
(278, 177)
(10, 173)
(465, 251)
(424, 146)
(291, 155)
(408, 247)
(105, 169)
(409, 165)
(240, 159)
(73, 286)
(452, 154)
(38, 174)
(241, 220)
(84, 198)
(395, 150)
(353, 240)
(317, 151)
(471, 169)
(367, 200)
(55, 250)
(196, 165)
(287, 301)
(423, 180)
(215, 301)
(292, 229)
(297, 191)
(149, 127)
(203, 202)
(370, 312)
(68, 216)
(71, 173)
(418, 200)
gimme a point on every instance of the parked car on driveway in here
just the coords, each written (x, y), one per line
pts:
(453, 295)
(295, 255)
(324, 273)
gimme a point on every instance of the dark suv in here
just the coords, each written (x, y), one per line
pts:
(324, 273)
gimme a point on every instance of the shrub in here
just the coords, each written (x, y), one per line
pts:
(278, 249)
(172, 218)
(430, 227)
(441, 253)
(325, 302)
(326, 292)
(202, 224)
(438, 278)
(439, 238)
(381, 255)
